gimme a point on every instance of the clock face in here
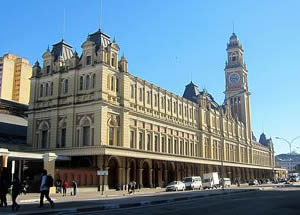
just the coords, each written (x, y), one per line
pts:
(234, 79)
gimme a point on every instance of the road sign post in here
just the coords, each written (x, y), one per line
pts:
(102, 173)
(12, 170)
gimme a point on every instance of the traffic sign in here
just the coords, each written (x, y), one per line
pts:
(102, 172)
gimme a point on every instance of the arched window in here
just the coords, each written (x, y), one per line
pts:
(62, 133)
(44, 134)
(87, 82)
(113, 131)
(93, 80)
(87, 131)
(81, 83)
(41, 90)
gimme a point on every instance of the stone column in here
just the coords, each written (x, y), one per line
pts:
(160, 184)
(150, 178)
(121, 181)
(4, 157)
(201, 170)
(166, 177)
(140, 178)
(49, 165)
(128, 177)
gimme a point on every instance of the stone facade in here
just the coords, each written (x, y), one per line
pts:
(92, 107)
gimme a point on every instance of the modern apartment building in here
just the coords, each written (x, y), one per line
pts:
(15, 73)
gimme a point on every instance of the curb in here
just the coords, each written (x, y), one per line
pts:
(131, 205)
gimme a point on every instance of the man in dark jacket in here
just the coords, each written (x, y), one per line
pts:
(16, 189)
(4, 185)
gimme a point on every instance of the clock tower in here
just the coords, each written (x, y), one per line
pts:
(236, 76)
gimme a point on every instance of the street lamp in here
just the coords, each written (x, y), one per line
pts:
(290, 145)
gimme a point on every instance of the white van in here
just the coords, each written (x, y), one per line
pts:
(193, 182)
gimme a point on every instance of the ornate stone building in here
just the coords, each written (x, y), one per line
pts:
(93, 110)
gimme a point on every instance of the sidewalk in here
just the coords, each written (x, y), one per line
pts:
(85, 202)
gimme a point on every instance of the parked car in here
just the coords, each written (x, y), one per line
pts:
(175, 186)
(193, 182)
(226, 182)
(253, 182)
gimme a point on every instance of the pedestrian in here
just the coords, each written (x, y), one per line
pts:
(46, 183)
(24, 187)
(133, 186)
(74, 185)
(4, 185)
(65, 186)
(129, 188)
(58, 185)
(16, 190)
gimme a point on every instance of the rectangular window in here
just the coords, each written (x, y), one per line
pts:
(141, 95)
(41, 90)
(156, 146)
(132, 91)
(117, 85)
(88, 60)
(111, 136)
(44, 139)
(163, 144)
(86, 136)
(63, 138)
(170, 146)
(174, 109)
(175, 147)
(48, 69)
(155, 100)
(141, 140)
(186, 148)
(148, 97)
(132, 139)
(149, 142)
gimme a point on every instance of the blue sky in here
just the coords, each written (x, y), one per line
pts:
(168, 42)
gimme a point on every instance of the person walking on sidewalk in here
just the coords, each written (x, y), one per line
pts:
(46, 183)
(16, 190)
(4, 185)
(65, 186)
(133, 186)
(74, 185)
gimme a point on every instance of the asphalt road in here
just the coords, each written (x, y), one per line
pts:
(282, 201)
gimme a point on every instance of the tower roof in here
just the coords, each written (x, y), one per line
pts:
(234, 42)
(191, 92)
(62, 49)
(264, 141)
(100, 39)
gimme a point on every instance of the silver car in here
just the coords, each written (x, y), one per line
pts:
(175, 186)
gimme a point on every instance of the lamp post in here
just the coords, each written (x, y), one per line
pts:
(290, 146)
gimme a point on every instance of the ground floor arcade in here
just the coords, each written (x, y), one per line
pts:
(149, 172)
